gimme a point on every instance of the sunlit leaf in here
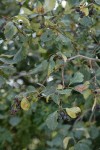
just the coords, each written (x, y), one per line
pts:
(85, 10)
(72, 112)
(25, 104)
(24, 20)
(66, 141)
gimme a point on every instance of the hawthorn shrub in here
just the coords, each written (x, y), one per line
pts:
(49, 75)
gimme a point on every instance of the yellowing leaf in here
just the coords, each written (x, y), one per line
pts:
(86, 93)
(25, 105)
(64, 58)
(34, 99)
(47, 99)
(72, 112)
(65, 142)
(23, 19)
(85, 10)
(82, 87)
(59, 87)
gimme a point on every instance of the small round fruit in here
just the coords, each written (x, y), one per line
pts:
(25, 105)
(77, 9)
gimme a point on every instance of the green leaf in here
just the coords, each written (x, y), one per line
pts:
(55, 98)
(73, 2)
(77, 78)
(51, 66)
(8, 69)
(7, 61)
(49, 91)
(86, 21)
(94, 132)
(39, 68)
(10, 30)
(25, 11)
(14, 121)
(47, 36)
(3, 116)
(2, 81)
(82, 146)
(65, 39)
(21, 54)
(97, 1)
(51, 121)
(98, 72)
(18, 56)
(49, 5)
(5, 135)
(65, 91)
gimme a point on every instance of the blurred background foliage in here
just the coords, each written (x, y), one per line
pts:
(36, 39)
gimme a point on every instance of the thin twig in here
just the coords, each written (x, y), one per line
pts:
(94, 104)
(84, 57)
(62, 73)
(68, 60)
(93, 109)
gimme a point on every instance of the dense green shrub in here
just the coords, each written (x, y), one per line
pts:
(49, 75)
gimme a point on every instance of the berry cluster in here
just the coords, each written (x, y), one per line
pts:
(15, 106)
(82, 14)
(63, 117)
(91, 12)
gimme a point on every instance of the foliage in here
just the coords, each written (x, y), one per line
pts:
(49, 75)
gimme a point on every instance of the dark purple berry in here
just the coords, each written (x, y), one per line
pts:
(62, 113)
(21, 23)
(77, 9)
(13, 111)
(42, 26)
(91, 12)
(59, 118)
(81, 14)
(97, 107)
(65, 117)
(20, 4)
